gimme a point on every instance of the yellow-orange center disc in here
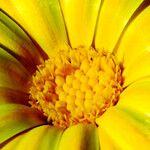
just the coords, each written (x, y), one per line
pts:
(78, 85)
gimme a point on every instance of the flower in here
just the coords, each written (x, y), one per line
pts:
(97, 50)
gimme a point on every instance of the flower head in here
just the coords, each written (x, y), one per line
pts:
(74, 74)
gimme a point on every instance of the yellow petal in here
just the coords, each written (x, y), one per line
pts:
(8, 95)
(128, 123)
(12, 73)
(80, 137)
(42, 19)
(40, 138)
(13, 143)
(136, 39)
(138, 69)
(114, 16)
(123, 128)
(18, 43)
(106, 143)
(16, 118)
(137, 97)
(80, 17)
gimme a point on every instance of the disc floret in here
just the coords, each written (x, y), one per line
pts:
(77, 86)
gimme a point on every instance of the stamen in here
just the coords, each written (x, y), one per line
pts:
(78, 85)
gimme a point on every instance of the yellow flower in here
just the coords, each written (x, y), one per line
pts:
(74, 74)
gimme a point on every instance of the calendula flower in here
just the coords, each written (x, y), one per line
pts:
(74, 74)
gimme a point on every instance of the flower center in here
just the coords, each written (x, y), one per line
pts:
(78, 85)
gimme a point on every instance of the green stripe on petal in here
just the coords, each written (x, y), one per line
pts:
(52, 15)
(139, 120)
(114, 16)
(18, 43)
(11, 145)
(51, 138)
(43, 138)
(80, 17)
(16, 118)
(133, 111)
(123, 130)
(80, 137)
(12, 73)
(42, 19)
